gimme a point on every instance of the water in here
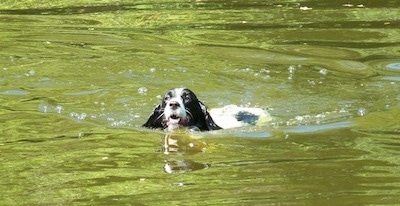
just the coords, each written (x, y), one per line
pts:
(78, 79)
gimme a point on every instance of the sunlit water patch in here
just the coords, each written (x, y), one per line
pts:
(15, 92)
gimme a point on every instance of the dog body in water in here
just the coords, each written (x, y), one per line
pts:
(180, 108)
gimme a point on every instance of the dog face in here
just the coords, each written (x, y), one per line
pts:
(181, 108)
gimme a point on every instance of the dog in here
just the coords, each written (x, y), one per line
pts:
(180, 108)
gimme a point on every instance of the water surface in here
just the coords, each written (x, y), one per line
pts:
(78, 79)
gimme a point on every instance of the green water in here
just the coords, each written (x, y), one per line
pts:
(78, 78)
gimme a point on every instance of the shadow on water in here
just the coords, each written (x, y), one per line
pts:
(78, 79)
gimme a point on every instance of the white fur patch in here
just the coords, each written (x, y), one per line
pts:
(232, 116)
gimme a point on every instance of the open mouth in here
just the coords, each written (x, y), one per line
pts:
(173, 119)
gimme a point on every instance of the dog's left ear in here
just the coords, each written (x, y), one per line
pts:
(211, 125)
(155, 120)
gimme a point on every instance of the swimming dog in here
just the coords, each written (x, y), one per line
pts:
(180, 108)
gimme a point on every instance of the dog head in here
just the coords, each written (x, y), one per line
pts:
(181, 108)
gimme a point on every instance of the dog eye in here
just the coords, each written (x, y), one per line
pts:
(166, 98)
(186, 98)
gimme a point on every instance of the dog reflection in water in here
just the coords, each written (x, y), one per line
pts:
(180, 143)
(181, 166)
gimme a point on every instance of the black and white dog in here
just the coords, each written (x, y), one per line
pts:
(180, 108)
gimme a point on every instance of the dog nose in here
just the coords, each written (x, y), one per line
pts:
(174, 105)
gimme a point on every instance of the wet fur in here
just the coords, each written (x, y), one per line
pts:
(193, 113)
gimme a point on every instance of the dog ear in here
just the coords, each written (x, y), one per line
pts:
(155, 120)
(211, 125)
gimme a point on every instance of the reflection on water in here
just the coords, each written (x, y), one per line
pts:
(78, 79)
(180, 143)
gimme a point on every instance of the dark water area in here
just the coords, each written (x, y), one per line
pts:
(79, 78)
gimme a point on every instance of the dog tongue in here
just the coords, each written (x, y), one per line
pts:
(173, 120)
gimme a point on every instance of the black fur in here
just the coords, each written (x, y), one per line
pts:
(198, 116)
